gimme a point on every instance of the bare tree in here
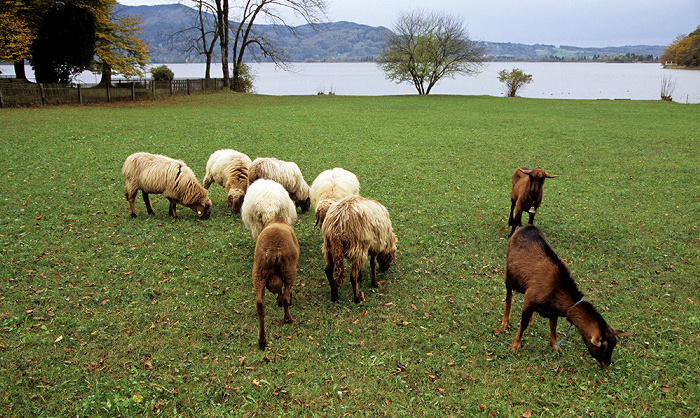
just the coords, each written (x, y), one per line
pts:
(203, 34)
(246, 39)
(425, 47)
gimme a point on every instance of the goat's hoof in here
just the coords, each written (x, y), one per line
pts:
(133, 215)
(262, 344)
(515, 347)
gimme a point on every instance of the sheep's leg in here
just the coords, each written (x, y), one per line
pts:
(287, 302)
(373, 265)
(147, 201)
(329, 273)
(506, 313)
(131, 197)
(524, 321)
(553, 334)
(260, 309)
(356, 271)
(172, 211)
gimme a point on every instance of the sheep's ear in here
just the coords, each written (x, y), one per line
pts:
(550, 176)
(621, 333)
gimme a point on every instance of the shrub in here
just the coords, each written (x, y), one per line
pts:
(513, 80)
(162, 73)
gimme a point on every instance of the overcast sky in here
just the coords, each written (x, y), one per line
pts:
(595, 23)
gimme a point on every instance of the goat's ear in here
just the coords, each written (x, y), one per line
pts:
(525, 170)
(596, 340)
(550, 176)
(621, 333)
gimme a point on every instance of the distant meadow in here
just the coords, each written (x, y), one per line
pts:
(105, 315)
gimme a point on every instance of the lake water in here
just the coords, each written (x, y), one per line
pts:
(550, 80)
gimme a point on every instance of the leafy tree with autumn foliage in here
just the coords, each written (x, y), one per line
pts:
(685, 50)
(116, 47)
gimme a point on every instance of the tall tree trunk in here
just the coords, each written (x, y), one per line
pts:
(207, 75)
(223, 28)
(106, 76)
(19, 70)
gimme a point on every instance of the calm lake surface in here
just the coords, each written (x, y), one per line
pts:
(550, 80)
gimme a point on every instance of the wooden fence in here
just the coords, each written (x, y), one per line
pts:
(14, 93)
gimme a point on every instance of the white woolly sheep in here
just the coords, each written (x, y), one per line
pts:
(172, 178)
(356, 227)
(285, 173)
(329, 187)
(229, 168)
(264, 201)
(274, 267)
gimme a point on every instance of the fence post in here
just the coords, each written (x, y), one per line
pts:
(153, 88)
(109, 92)
(2, 102)
(171, 86)
(204, 84)
(188, 86)
(41, 93)
(80, 94)
(133, 91)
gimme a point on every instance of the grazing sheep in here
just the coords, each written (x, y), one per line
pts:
(264, 201)
(329, 187)
(163, 175)
(285, 173)
(533, 268)
(356, 227)
(526, 194)
(229, 168)
(275, 267)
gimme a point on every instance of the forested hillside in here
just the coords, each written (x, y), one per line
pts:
(163, 25)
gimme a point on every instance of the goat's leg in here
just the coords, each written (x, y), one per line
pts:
(506, 313)
(524, 321)
(511, 220)
(531, 219)
(147, 201)
(553, 334)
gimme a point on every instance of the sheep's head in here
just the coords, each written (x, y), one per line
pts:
(304, 205)
(202, 207)
(321, 210)
(235, 200)
(385, 258)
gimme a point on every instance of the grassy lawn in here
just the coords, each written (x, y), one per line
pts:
(104, 315)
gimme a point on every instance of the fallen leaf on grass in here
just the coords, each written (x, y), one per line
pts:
(527, 414)
(665, 389)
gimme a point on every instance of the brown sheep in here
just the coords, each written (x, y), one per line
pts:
(526, 194)
(533, 268)
(173, 179)
(356, 227)
(275, 267)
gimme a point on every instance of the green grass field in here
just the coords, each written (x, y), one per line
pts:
(104, 315)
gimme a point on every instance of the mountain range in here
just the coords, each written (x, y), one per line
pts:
(162, 29)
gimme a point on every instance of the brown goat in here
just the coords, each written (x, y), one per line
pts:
(526, 194)
(275, 267)
(533, 268)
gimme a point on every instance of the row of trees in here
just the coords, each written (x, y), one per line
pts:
(63, 38)
(685, 50)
